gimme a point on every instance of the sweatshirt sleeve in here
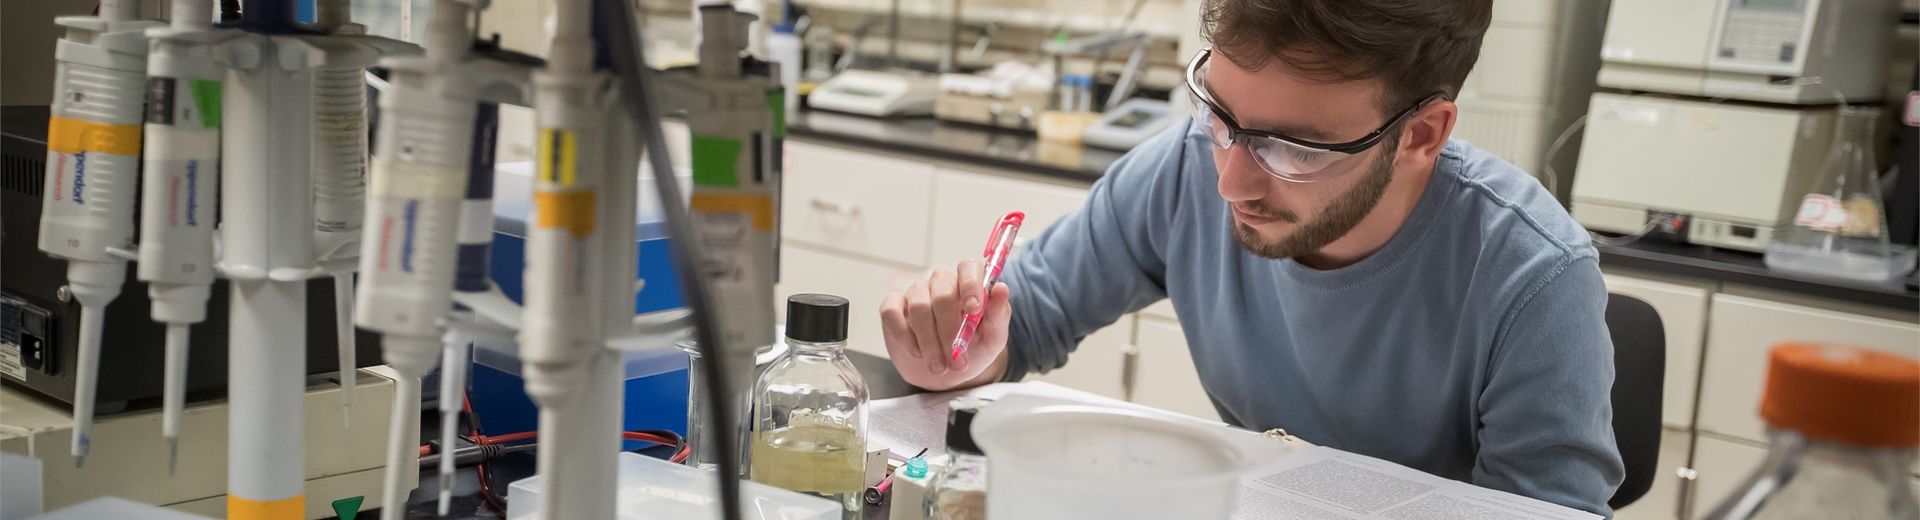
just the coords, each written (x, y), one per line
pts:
(1546, 415)
(1099, 262)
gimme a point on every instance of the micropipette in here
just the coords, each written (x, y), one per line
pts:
(93, 154)
(181, 166)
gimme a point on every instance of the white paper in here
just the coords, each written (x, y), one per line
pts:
(1327, 484)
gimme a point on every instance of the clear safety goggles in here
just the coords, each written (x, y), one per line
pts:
(1285, 157)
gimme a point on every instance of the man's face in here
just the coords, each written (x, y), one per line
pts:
(1280, 219)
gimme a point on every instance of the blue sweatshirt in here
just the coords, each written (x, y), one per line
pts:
(1472, 346)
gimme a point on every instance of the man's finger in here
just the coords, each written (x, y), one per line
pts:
(894, 328)
(920, 321)
(970, 275)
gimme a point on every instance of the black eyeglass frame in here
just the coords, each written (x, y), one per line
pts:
(1235, 131)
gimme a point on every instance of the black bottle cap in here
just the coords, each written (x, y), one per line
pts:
(960, 414)
(818, 318)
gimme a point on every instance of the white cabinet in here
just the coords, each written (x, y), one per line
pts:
(1662, 499)
(1165, 376)
(1098, 365)
(864, 283)
(1743, 330)
(857, 203)
(1723, 464)
(1683, 316)
(967, 204)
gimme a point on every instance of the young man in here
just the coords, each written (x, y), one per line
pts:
(1341, 268)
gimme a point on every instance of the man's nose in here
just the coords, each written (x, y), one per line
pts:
(1241, 179)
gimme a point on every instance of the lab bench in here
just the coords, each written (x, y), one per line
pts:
(872, 204)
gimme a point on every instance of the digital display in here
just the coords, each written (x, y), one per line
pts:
(1132, 119)
(1773, 5)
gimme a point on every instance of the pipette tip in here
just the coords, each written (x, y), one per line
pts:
(80, 451)
(446, 494)
(346, 416)
(173, 454)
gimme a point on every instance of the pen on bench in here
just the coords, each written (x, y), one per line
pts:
(999, 245)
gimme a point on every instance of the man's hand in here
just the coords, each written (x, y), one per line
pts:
(921, 322)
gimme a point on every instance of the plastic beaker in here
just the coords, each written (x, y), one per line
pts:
(1080, 461)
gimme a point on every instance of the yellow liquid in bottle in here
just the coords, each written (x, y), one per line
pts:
(827, 460)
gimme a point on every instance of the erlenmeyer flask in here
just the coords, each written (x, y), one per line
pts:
(1840, 229)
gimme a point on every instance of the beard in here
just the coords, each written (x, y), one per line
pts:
(1342, 216)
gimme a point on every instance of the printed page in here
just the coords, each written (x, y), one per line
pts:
(1327, 484)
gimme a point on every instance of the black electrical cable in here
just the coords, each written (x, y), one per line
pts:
(618, 24)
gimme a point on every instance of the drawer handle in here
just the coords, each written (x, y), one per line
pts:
(835, 207)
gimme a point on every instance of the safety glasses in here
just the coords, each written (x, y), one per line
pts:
(1285, 157)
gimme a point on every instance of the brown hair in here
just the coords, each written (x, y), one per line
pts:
(1416, 48)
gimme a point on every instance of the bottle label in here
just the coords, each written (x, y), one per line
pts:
(1821, 212)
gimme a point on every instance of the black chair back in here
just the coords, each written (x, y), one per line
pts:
(1639, 364)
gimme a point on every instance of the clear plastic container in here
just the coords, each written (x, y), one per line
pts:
(810, 409)
(1079, 461)
(651, 488)
(1840, 230)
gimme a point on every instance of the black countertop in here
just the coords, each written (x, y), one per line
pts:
(1022, 152)
(1005, 149)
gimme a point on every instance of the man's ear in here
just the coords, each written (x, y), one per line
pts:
(1427, 131)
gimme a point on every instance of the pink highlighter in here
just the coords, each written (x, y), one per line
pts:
(999, 245)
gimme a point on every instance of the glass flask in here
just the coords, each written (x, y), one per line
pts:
(1844, 423)
(810, 409)
(959, 491)
(1840, 229)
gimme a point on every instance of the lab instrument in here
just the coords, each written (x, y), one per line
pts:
(132, 462)
(810, 409)
(1131, 123)
(92, 168)
(1535, 72)
(339, 159)
(1840, 229)
(1844, 424)
(1010, 95)
(181, 173)
(876, 93)
(999, 246)
(1754, 50)
(1733, 173)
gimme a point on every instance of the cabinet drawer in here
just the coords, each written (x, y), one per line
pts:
(1743, 330)
(1662, 501)
(1683, 315)
(1165, 376)
(1099, 363)
(857, 203)
(1723, 465)
(862, 282)
(969, 203)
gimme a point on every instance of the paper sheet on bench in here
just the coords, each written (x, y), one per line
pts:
(1323, 483)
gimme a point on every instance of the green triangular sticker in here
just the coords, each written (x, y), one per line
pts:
(348, 508)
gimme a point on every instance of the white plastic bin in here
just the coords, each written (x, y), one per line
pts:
(651, 488)
(1082, 461)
